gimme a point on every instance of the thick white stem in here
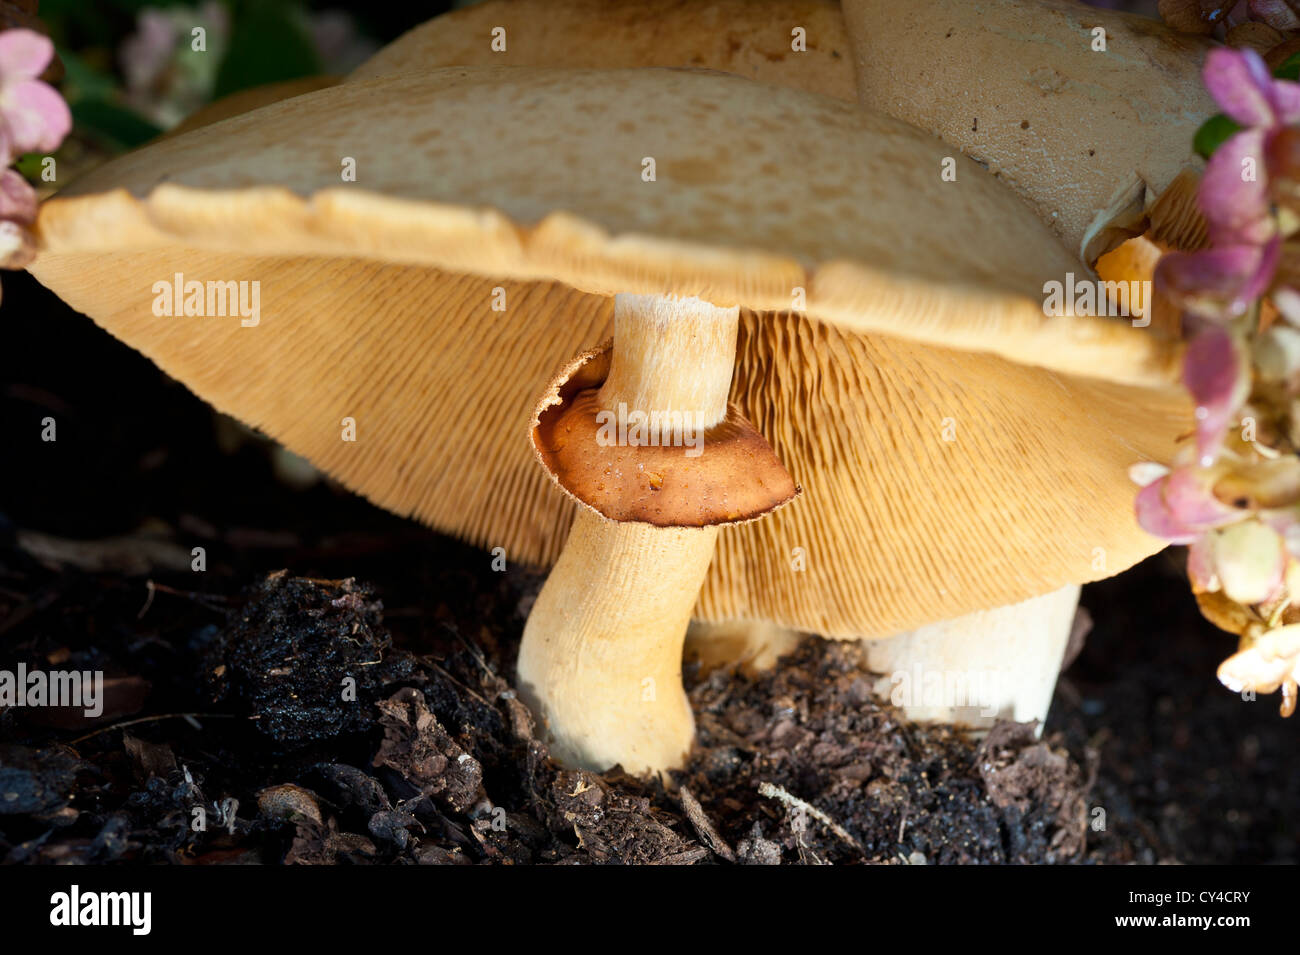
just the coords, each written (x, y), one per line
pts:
(995, 664)
(601, 655)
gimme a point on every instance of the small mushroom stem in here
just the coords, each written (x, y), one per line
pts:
(601, 655)
(990, 665)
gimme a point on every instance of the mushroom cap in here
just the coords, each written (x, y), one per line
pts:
(750, 38)
(923, 320)
(670, 483)
(1018, 86)
(235, 104)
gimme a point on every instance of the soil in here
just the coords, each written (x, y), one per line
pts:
(334, 687)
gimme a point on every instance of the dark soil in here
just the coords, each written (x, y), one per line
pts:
(357, 707)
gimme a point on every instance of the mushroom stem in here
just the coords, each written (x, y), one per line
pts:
(753, 645)
(991, 665)
(601, 655)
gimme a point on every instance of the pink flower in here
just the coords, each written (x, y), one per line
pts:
(1217, 375)
(1180, 507)
(33, 117)
(1218, 283)
(1243, 87)
(1234, 194)
(1234, 190)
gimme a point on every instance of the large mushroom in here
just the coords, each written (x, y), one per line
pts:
(957, 449)
(798, 43)
(1089, 114)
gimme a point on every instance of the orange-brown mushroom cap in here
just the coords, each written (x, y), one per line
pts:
(667, 483)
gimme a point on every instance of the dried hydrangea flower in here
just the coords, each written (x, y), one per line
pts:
(1250, 561)
(1181, 506)
(1218, 377)
(1218, 283)
(1235, 192)
(1266, 663)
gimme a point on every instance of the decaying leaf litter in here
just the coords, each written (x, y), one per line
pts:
(226, 708)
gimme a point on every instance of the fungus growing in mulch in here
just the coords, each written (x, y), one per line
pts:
(787, 269)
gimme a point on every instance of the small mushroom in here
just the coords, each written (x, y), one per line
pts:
(1089, 114)
(793, 262)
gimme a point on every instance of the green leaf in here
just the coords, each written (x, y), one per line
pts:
(83, 81)
(121, 128)
(29, 166)
(269, 44)
(1290, 68)
(1212, 134)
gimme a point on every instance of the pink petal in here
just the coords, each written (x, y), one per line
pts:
(1261, 278)
(1181, 506)
(24, 54)
(1213, 373)
(1241, 84)
(1286, 100)
(1191, 501)
(17, 198)
(35, 115)
(1155, 518)
(1218, 283)
(1238, 209)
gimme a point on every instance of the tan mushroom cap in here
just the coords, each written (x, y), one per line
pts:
(476, 186)
(751, 38)
(1018, 85)
(245, 100)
